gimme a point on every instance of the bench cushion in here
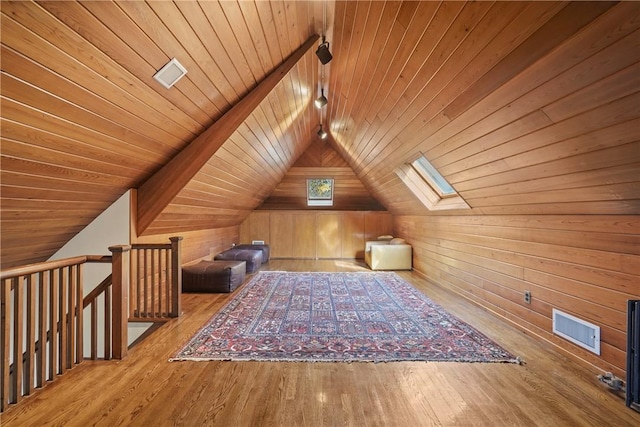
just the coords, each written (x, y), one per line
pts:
(253, 258)
(263, 248)
(213, 276)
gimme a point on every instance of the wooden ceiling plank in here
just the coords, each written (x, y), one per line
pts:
(622, 191)
(258, 36)
(220, 39)
(431, 113)
(282, 27)
(158, 191)
(605, 116)
(452, 53)
(294, 103)
(64, 163)
(26, 94)
(613, 175)
(604, 78)
(568, 21)
(246, 157)
(278, 116)
(434, 49)
(90, 182)
(228, 171)
(608, 137)
(256, 128)
(409, 63)
(35, 74)
(165, 25)
(567, 55)
(236, 20)
(271, 125)
(82, 63)
(111, 35)
(380, 18)
(299, 91)
(608, 157)
(341, 46)
(22, 123)
(268, 24)
(519, 128)
(487, 43)
(351, 80)
(20, 192)
(586, 43)
(385, 56)
(252, 135)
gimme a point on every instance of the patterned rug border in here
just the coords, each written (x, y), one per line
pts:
(235, 300)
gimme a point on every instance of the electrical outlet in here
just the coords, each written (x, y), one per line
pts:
(527, 297)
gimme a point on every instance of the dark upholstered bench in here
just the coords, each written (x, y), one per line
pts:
(253, 258)
(213, 276)
(263, 248)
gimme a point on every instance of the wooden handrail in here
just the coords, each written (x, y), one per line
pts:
(42, 308)
(91, 296)
(25, 270)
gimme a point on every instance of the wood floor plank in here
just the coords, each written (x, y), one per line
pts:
(146, 389)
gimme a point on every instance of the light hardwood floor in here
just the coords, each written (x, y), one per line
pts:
(146, 390)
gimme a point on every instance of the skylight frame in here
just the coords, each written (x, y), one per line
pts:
(419, 183)
(433, 178)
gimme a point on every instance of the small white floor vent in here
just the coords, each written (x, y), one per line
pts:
(578, 331)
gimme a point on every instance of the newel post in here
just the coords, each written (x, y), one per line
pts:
(120, 266)
(176, 276)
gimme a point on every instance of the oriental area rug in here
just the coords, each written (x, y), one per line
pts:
(337, 317)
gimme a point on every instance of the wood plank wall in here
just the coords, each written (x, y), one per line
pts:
(315, 234)
(321, 160)
(585, 265)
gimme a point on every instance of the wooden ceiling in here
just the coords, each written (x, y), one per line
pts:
(525, 107)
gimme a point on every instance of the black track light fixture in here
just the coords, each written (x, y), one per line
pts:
(322, 133)
(321, 101)
(323, 52)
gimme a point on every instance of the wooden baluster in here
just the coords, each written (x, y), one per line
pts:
(31, 334)
(79, 315)
(135, 282)
(54, 285)
(176, 276)
(145, 283)
(41, 355)
(162, 277)
(62, 325)
(18, 317)
(120, 267)
(168, 281)
(94, 329)
(107, 323)
(5, 330)
(152, 280)
(71, 318)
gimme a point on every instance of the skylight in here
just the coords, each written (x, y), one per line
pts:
(429, 186)
(320, 192)
(432, 176)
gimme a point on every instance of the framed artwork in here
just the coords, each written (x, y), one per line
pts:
(320, 192)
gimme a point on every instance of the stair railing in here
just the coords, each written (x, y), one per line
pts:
(42, 309)
(156, 281)
(41, 324)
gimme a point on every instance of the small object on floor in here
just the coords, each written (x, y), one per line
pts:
(253, 258)
(254, 246)
(213, 276)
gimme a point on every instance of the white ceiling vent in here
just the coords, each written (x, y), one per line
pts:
(168, 75)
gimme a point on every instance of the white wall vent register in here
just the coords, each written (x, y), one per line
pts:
(578, 331)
